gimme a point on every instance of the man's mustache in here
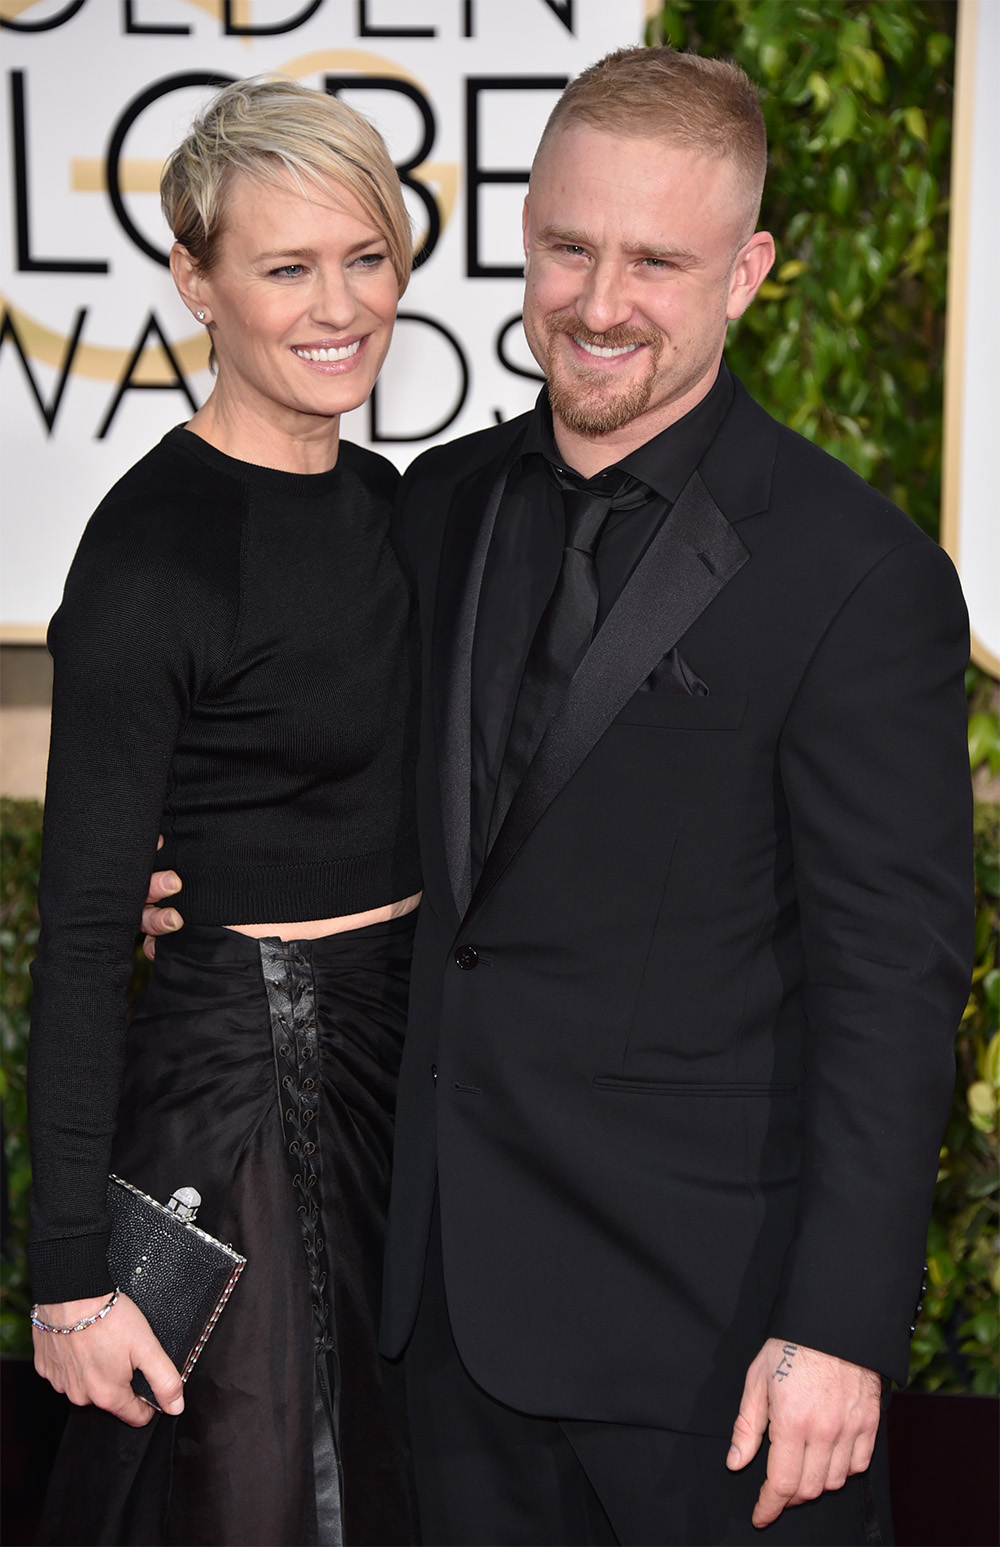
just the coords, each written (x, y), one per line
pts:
(620, 337)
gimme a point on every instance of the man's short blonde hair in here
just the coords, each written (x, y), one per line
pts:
(265, 128)
(704, 105)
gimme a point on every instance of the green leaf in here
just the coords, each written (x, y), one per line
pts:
(791, 270)
(984, 1327)
(990, 1063)
(773, 57)
(938, 49)
(896, 31)
(984, 741)
(841, 121)
(865, 69)
(841, 189)
(940, 1269)
(982, 1100)
(820, 88)
(916, 123)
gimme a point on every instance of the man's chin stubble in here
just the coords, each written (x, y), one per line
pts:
(586, 410)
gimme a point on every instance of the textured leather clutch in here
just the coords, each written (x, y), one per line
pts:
(179, 1276)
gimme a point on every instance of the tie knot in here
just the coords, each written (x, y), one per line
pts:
(586, 513)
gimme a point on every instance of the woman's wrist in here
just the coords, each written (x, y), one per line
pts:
(72, 1315)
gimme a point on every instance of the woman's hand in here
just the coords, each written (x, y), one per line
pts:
(96, 1364)
(157, 919)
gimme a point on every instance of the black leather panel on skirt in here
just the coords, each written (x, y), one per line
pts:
(247, 1462)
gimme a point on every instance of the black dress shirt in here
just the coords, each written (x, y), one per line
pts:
(525, 554)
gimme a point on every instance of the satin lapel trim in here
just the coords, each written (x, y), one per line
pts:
(466, 544)
(695, 553)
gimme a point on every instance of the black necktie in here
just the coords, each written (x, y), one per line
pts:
(562, 637)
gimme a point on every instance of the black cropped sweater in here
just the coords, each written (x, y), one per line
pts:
(232, 670)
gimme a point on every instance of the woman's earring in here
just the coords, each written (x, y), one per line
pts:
(201, 316)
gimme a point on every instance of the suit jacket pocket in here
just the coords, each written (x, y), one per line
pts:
(616, 1082)
(679, 711)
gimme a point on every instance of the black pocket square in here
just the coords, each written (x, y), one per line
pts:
(674, 675)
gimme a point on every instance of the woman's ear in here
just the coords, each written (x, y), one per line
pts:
(189, 281)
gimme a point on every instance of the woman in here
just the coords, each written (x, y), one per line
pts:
(264, 726)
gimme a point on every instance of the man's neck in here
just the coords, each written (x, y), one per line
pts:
(589, 455)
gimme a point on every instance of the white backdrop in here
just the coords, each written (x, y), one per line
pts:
(98, 358)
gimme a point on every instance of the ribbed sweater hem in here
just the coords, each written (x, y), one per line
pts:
(73, 1268)
(320, 889)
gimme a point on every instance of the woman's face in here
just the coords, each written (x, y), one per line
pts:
(301, 302)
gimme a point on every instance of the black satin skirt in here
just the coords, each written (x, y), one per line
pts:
(263, 1073)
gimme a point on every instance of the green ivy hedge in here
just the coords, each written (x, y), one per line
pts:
(20, 851)
(845, 340)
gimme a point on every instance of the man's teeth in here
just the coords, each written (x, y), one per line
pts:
(605, 354)
(324, 356)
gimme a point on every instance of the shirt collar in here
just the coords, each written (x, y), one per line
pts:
(664, 463)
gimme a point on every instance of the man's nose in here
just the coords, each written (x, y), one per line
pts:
(604, 302)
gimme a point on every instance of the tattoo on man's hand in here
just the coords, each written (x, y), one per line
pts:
(785, 1363)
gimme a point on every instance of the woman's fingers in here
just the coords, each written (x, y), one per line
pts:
(95, 1365)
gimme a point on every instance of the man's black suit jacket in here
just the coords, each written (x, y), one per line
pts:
(681, 1062)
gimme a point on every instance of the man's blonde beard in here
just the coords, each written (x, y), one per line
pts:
(592, 402)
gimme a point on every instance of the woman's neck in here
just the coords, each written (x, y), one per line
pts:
(286, 440)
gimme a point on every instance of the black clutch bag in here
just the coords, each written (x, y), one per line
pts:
(179, 1276)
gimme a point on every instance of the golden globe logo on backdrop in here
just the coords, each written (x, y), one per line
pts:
(97, 355)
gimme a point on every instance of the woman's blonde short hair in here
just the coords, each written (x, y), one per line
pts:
(265, 128)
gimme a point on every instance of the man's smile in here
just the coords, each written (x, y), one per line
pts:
(601, 352)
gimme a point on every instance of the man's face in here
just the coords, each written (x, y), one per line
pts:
(637, 258)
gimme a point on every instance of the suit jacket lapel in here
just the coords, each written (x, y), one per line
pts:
(694, 554)
(463, 557)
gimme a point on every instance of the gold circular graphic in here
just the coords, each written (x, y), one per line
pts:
(106, 362)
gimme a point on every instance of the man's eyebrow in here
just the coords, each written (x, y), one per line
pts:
(564, 234)
(632, 246)
(670, 254)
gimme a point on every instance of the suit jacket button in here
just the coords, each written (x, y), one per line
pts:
(467, 957)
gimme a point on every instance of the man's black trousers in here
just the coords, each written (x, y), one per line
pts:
(488, 1476)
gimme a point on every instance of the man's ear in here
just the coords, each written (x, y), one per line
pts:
(188, 278)
(749, 272)
(524, 235)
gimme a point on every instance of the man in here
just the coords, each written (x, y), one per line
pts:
(696, 928)
(685, 990)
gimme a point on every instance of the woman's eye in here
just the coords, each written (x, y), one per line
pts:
(288, 271)
(371, 260)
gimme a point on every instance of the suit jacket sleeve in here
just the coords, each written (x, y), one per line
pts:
(874, 765)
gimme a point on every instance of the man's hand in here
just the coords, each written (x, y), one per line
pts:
(96, 1364)
(156, 919)
(822, 1414)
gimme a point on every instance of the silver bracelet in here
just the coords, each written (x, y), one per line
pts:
(88, 1321)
